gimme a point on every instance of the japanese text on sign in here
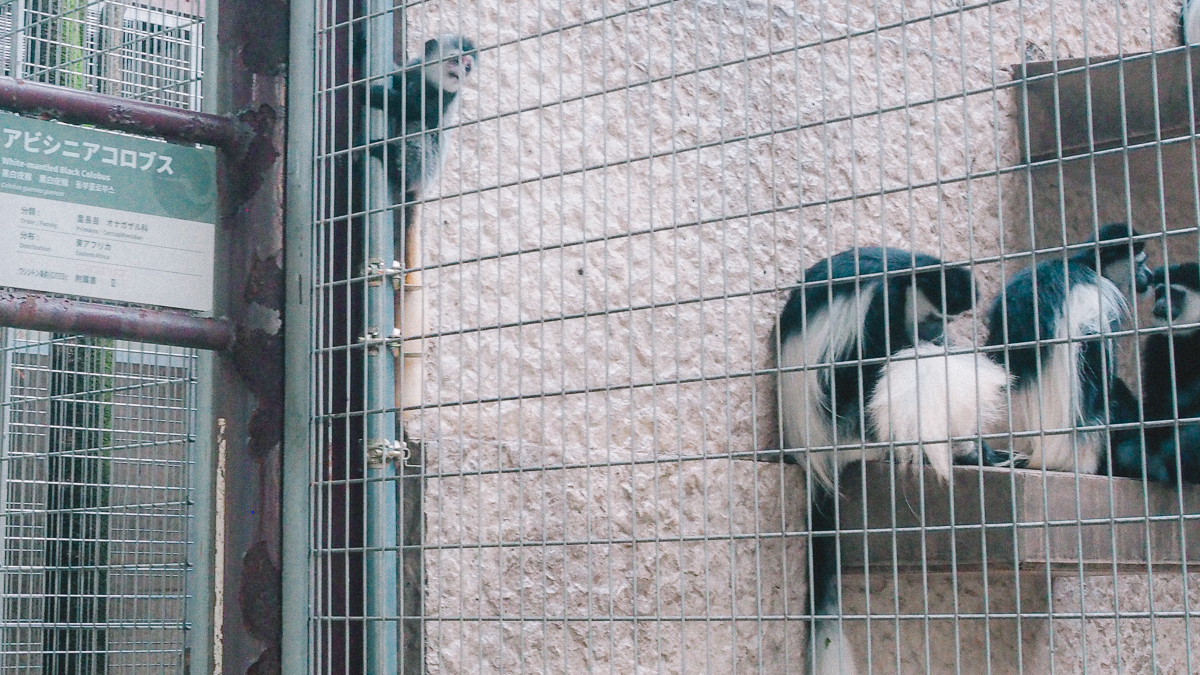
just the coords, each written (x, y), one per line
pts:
(106, 215)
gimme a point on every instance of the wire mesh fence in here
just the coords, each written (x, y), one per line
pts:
(148, 51)
(96, 452)
(96, 488)
(629, 452)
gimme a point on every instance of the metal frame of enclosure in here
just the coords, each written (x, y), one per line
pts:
(592, 475)
(541, 431)
(140, 476)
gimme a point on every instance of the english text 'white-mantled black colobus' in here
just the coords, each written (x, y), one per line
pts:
(418, 103)
(1170, 382)
(1055, 320)
(861, 360)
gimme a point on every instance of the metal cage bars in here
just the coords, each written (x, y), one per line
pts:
(247, 380)
(552, 553)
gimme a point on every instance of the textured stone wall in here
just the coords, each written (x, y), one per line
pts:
(678, 567)
(630, 192)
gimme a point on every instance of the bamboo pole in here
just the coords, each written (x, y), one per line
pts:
(410, 321)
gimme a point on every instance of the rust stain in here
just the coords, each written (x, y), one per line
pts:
(261, 607)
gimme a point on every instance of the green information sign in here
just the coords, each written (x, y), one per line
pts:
(106, 215)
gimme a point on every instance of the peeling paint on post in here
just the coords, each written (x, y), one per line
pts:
(248, 380)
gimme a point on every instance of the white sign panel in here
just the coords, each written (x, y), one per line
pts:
(107, 216)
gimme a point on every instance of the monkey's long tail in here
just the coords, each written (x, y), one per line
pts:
(828, 652)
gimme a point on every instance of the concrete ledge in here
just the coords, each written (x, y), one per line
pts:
(1085, 97)
(1013, 519)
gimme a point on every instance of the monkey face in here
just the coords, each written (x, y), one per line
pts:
(924, 318)
(929, 329)
(447, 62)
(1142, 273)
(450, 70)
(1178, 302)
(454, 70)
(1128, 273)
(1168, 302)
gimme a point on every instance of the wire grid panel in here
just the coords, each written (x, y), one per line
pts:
(149, 51)
(628, 196)
(95, 471)
(95, 490)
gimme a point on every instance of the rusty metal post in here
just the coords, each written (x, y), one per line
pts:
(251, 85)
(247, 378)
(35, 311)
(122, 114)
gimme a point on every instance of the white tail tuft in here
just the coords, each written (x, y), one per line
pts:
(927, 396)
(831, 655)
(1191, 22)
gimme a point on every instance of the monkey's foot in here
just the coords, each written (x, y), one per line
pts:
(986, 455)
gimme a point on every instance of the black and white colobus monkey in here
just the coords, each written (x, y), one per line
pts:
(867, 304)
(418, 103)
(1171, 376)
(1176, 302)
(861, 304)
(1074, 303)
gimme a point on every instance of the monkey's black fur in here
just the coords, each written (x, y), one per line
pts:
(1171, 383)
(1160, 369)
(1126, 444)
(1053, 283)
(417, 103)
(840, 332)
(886, 324)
